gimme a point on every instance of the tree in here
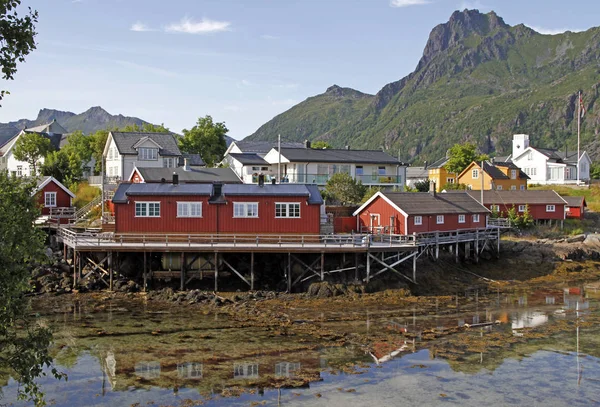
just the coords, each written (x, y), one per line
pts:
(31, 147)
(97, 143)
(320, 144)
(461, 155)
(205, 138)
(17, 36)
(23, 343)
(422, 186)
(146, 128)
(369, 192)
(595, 171)
(344, 189)
(79, 145)
(65, 167)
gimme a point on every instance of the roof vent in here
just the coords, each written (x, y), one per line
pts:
(217, 189)
(175, 178)
(261, 180)
(306, 144)
(273, 181)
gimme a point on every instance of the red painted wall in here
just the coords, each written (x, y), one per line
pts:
(63, 200)
(168, 222)
(385, 211)
(574, 212)
(537, 211)
(344, 224)
(136, 178)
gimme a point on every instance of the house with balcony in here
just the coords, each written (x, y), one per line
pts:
(493, 175)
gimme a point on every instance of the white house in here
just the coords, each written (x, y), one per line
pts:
(53, 131)
(549, 166)
(125, 150)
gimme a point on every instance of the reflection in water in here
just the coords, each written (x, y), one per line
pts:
(189, 370)
(245, 371)
(286, 369)
(148, 370)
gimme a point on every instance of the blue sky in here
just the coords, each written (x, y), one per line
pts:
(243, 62)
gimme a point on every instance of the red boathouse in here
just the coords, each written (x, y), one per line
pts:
(542, 204)
(54, 198)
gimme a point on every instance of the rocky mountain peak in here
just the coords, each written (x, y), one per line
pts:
(339, 92)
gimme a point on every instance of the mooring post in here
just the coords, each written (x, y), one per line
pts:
(252, 271)
(216, 271)
(289, 273)
(144, 288)
(322, 266)
(110, 270)
(182, 282)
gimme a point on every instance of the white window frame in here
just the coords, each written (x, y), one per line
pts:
(495, 208)
(475, 173)
(19, 170)
(499, 188)
(439, 219)
(287, 206)
(523, 187)
(513, 187)
(242, 209)
(168, 162)
(418, 221)
(146, 206)
(475, 218)
(186, 209)
(550, 208)
(513, 174)
(147, 154)
(522, 208)
(449, 180)
(50, 199)
(462, 219)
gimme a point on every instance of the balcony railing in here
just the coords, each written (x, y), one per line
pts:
(321, 179)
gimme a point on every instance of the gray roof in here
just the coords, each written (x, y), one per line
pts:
(425, 203)
(338, 156)
(194, 160)
(194, 175)
(417, 173)
(309, 191)
(502, 158)
(438, 163)
(559, 156)
(249, 158)
(534, 197)
(264, 146)
(126, 140)
(577, 201)
(126, 189)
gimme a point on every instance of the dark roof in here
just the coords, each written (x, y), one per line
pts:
(576, 201)
(541, 197)
(425, 203)
(126, 140)
(338, 156)
(309, 191)
(559, 156)
(264, 146)
(194, 175)
(126, 189)
(502, 158)
(53, 137)
(439, 163)
(417, 172)
(249, 158)
(194, 160)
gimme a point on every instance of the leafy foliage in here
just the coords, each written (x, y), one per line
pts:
(370, 191)
(521, 221)
(205, 138)
(320, 144)
(146, 128)
(422, 186)
(23, 344)
(17, 38)
(31, 147)
(595, 170)
(461, 155)
(343, 189)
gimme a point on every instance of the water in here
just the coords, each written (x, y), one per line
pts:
(525, 348)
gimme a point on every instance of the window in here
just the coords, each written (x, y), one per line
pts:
(190, 370)
(522, 187)
(287, 210)
(418, 220)
(189, 209)
(449, 180)
(50, 199)
(245, 370)
(499, 188)
(381, 170)
(530, 156)
(461, 218)
(19, 170)
(513, 174)
(147, 154)
(475, 173)
(245, 209)
(32, 170)
(476, 218)
(555, 173)
(439, 219)
(169, 162)
(522, 208)
(495, 208)
(470, 187)
(550, 208)
(513, 187)
(147, 209)
(359, 170)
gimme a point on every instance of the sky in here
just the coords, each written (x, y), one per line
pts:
(240, 61)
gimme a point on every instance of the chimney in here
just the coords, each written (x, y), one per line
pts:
(217, 189)
(432, 188)
(186, 164)
(425, 165)
(347, 147)
(306, 144)
(175, 178)
(273, 181)
(261, 180)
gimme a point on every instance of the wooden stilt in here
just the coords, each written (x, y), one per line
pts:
(498, 244)
(437, 245)
(252, 271)
(110, 271)
(322, 266)
(415, 269)
(144, 288)
(216, 272)
(456, 257)
(368, 267)
(74, 269)
(355, 266)
(182, 282)
(476, 252)
(289, 273)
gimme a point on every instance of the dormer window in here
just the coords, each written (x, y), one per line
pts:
(530, 156)
(147, 154)
(513, 174)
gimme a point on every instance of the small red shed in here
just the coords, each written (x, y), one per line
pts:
(417, 212)
(542, 204)
(575, 207)
(171, 208)
(55, 199)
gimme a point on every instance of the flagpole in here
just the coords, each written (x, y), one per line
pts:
(279, 165)
(578, 131)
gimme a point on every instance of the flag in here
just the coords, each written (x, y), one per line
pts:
(581, 106)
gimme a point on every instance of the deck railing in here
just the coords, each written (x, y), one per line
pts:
(59, 212)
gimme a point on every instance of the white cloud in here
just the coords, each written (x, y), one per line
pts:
(204, 26)
(140, 27)
(269, 37)
(408, 3)
(554, 31)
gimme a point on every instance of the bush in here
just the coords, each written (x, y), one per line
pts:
(84, 194)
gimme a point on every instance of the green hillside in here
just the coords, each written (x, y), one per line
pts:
(479, 80)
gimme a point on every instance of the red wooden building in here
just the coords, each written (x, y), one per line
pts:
(407, 213)
(542, 205)
(219, 208)
(575, 208)
(55, 200)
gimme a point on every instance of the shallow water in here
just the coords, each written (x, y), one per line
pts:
(526, 348)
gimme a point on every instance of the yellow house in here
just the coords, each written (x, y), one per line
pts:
(438, 174)
(495, 175)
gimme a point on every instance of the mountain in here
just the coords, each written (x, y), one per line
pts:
(93, 119)
(479, 80)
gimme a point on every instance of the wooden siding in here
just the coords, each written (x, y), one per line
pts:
(385, 211)
(537, 211)
(488, 182)
(440, 177)
(136, 177)
(574, 212)
(63, 200)
(217, 218)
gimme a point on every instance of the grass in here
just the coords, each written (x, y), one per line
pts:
(591, 194)
(84, 194)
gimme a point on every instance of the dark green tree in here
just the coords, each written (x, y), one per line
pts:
(343, 189)
(31, 147)
(206, 138)
(320, 144)
(65, 167)
(23, 342)
(17, 37)
(461, 155)
(422, 186)
(80, 146)
(595, 171)
(146, 128)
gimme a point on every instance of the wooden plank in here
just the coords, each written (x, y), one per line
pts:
(252, 271)
(236, 272)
